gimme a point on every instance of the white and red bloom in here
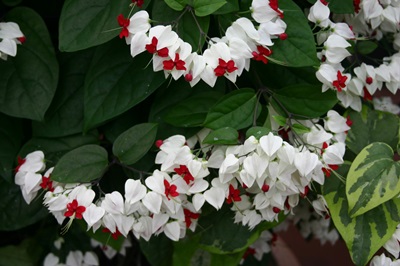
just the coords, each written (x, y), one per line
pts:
(28, 175)
(10, 36)
(219, 63)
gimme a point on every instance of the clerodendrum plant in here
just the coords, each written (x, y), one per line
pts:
(189, 132)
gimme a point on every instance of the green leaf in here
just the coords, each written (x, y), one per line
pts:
(84, 24)
(222, 136)
(287, 75)
(280, 120)
(25, 254)
(115, 83)
(167, 96)
(159, 245)
(11, 136)
(230, 7)
(300, 129)
(29, 80)
(134, 143)
(192, 111)
(11, 2)
(65, 114)
(184, 250)
(206, 7)
(185, 26)
(339, 6)
(298, 50)
(235, 109)
(81, 165)
(257, 132)
(305, 100)
(366, 47)
(222, 236)
(373, 178)
(14, 212)
(367, 233)
(177, 5)
(54, 149)
(372, 126)
(227, 259)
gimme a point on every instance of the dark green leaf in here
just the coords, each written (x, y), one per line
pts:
(339, 6)
(206, 7)
(28, 81)
(287, 75)
(11, 2)
(373, 178)
(14, 212)
(88, 23)
(25, 254)
(305, 100)
(222, 236)
(372, 126)
(83, 164)
(222, 136)
(298, 49)
(134, 143)
(11, 134)
(159, 245)
(65, 115)
(236, 109)
(227, 259)
(366, 47)
(192, 111)
(177, 5)
(54, 149)
(229, 7)
(257, 132)
(115, 82)
(365, 234)
(122, 123)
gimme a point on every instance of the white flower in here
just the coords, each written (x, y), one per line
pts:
(139, 22)
(335, 49)
(335, 122)
(10, 36)
(319, 14)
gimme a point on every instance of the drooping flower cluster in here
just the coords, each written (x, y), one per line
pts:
(335, 37)
(259, 179)
(10, 36)
(227, 56)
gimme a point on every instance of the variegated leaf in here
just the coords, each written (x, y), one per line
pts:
(372, 126)
(367, 233)
(373, 178)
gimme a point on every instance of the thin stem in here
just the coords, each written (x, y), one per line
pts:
(201, 32)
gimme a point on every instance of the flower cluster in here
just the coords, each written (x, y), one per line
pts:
(259, 179)
(366, 79)
(10, 36)
(227, 56)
